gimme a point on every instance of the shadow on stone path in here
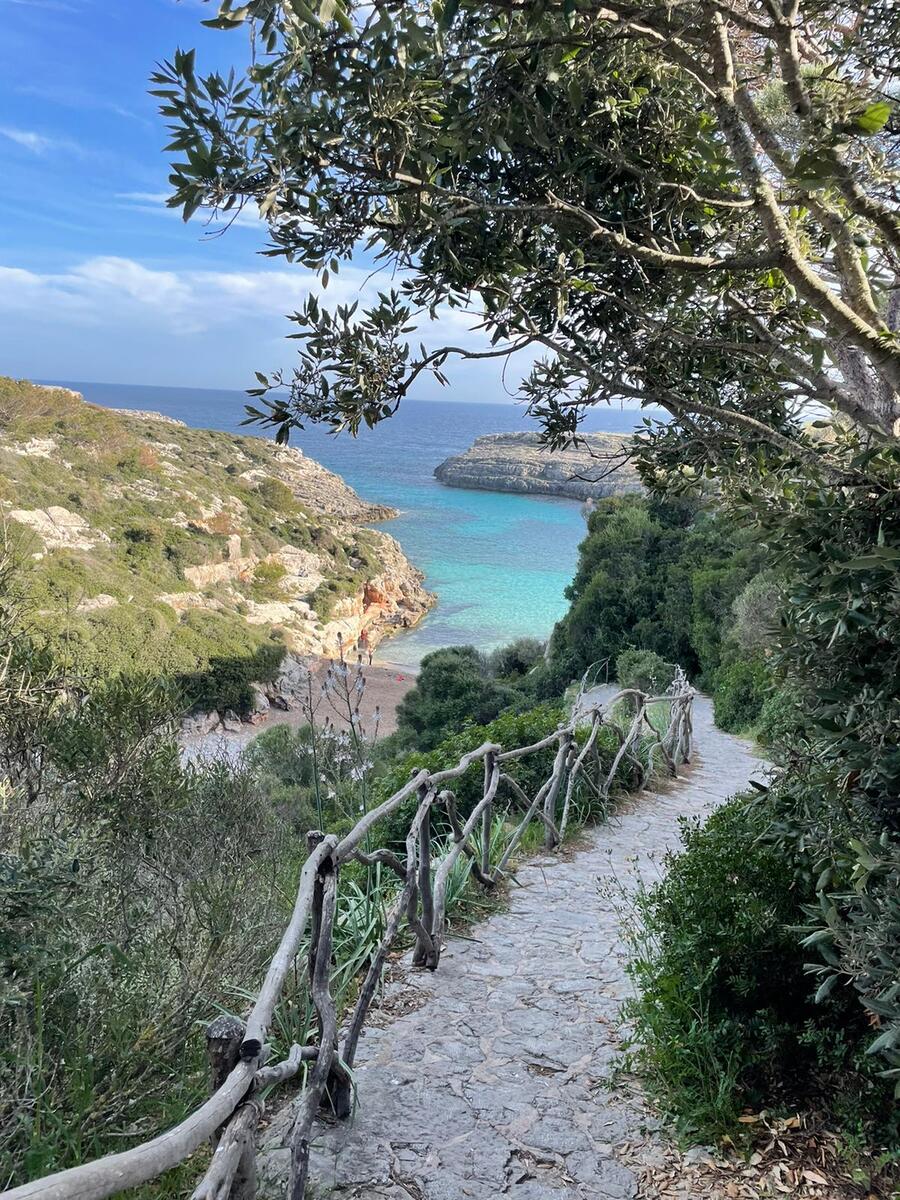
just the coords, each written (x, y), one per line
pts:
(496, 1085)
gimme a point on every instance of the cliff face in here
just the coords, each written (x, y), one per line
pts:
(145, 535)
(517, 462)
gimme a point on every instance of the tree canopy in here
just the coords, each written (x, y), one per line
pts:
(687, 203)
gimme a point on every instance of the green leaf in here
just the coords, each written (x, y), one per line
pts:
(826, 988)
(812, 170)
(873, 119)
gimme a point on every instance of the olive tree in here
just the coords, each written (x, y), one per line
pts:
(687, 203)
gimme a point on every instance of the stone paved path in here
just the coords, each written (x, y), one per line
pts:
(496, 1085)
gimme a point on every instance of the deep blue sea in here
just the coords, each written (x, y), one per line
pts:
(498, 562)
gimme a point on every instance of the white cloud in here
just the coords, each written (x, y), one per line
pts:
(114, 290)
(116, 318)
(155, 203)
(154, 199)
(37, 143)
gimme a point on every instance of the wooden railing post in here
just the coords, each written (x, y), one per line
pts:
(551, 837)
(337, 1091)
(424, 948)
(223, 1050)
(487, 817)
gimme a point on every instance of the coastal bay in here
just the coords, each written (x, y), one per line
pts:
(498, 563)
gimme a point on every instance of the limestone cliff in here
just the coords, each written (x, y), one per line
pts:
(518, 462)
(161, 545)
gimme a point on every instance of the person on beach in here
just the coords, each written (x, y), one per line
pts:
(363, 646)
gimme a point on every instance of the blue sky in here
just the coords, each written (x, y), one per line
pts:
(98, 280)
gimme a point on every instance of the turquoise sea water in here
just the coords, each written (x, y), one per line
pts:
(498, 562)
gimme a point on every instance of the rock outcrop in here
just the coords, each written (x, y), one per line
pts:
(518, 462)
(133, 515)
(58, 529)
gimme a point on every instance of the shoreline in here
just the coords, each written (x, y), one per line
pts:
(386, 685)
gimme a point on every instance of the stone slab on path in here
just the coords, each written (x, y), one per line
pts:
(497, 1082)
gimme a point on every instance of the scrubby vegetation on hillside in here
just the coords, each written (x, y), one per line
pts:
(140, 896)
(673, 577)
(146, 500)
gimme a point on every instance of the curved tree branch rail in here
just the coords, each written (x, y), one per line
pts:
(240, 1078)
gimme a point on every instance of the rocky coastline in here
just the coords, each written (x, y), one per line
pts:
(136, 520)
(518, 462)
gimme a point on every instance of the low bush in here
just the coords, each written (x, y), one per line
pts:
(226, 681)
(516, 659)
(276, 495)
(781, 725)
(645, 670)
(266, 583)
(725, 1014)
(741, 690)
(509, 729)
(128, 885)
(454, 686)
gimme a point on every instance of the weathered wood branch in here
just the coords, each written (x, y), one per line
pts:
(326, 1014)
(443, 872)
(448, 799)
(261, 1017)
(424, 954)
(596, 725)
(532, 809)
(551, 836)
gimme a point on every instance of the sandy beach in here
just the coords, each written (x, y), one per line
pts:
(386, 685)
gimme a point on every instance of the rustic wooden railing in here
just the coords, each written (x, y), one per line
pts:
(240, 1076)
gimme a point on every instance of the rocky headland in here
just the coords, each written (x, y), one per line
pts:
(158, 547)
(518, 462)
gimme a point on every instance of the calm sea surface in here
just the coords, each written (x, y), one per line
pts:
(498, 562)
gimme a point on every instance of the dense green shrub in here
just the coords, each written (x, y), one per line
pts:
(658, 574)
(755, 614)
(213, 656)
(508, 730)
(453, 686)
(781, 725)
(128, 884)
(276, 495)
(516, 659)
(512, 729)
(724, 1013)
(226, 682)
(839, 658)
(267, 577)
(645, 670)
(740, 693)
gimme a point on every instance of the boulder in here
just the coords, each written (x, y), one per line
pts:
(231, 722)
(198, 724)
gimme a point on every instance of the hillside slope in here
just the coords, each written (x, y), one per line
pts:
(159, 547)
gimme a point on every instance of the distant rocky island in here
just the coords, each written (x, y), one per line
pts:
(519, 462)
